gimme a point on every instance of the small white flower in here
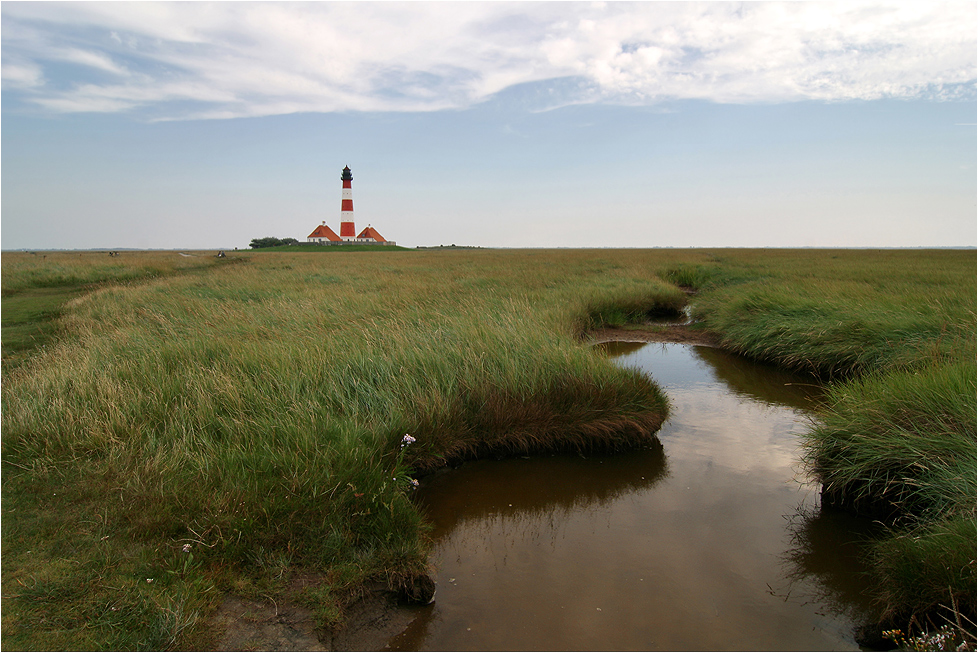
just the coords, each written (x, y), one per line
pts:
(186, 548)
(406, 440)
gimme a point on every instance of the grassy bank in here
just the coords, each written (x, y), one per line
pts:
(29, 271)
(229, 429)
(895, 332)
(234, 427)
(315, 248)
(37, 286)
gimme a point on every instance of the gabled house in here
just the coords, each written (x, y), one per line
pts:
(323, 234)
(371, 233)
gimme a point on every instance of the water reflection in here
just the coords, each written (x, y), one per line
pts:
(693, 544)
(827, 557)
(749, 379)
(760, 382)
(498, 523)
(541, 490)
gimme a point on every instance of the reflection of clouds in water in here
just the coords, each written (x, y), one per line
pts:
(705, 428)
(676, 365)
(726, 409)
(629, 552)
(760, 382)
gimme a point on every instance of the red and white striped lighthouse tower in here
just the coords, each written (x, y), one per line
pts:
(348, 230)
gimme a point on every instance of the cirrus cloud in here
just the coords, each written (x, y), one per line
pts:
(217, 60)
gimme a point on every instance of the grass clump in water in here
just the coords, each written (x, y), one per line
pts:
(902, 446)
(895, 333)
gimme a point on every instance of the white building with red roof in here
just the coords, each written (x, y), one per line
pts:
(323, 234)
(371, 234)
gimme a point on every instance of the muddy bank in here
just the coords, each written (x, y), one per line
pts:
(281, 624)
(683, 334)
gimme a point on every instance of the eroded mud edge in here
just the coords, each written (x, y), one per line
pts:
(680, 333)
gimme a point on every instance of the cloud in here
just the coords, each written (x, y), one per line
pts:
(21, 74)
(95, 60)
(191, 60)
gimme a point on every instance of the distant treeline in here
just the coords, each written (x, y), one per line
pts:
(271, 241)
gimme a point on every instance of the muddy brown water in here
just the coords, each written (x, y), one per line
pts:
(712, 541)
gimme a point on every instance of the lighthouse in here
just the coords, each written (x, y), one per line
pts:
(323, 235)
(348, 230)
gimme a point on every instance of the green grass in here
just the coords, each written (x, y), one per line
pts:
(843, 312)
(255, 411)
(699, 276)
(321, 249)
(31, 271)
(74, 581)
(36, 288)
(253, 408)
(895, 332)
(903, 442)
(901, 445)
(29, 320)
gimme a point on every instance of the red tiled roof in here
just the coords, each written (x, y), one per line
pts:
(322, 231)
(370, 232)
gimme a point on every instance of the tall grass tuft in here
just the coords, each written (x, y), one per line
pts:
(699, 276)
(929, 570)
(901, 443)
(616, 307)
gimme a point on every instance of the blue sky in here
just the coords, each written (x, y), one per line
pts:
(659, 124)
